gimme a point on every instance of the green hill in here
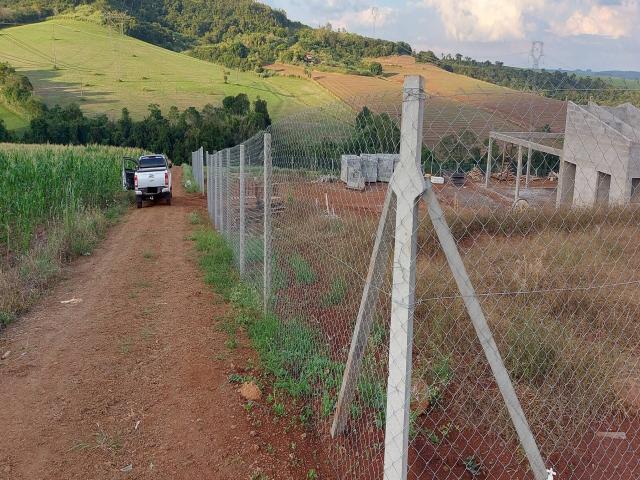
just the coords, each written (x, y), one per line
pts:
(79, 61)
(239, 33)
(12, 120)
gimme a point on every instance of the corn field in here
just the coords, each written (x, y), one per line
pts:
(41, 184)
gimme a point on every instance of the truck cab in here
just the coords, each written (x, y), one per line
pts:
(149, 177)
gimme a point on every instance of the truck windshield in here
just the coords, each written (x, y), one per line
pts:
(152, 162)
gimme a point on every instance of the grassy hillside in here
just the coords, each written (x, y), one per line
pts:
(12, 120)
(241, 33)
(104, 72)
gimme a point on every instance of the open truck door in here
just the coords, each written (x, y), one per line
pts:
(129, 167)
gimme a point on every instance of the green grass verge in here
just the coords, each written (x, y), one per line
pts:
(291, 352)
(188, 181)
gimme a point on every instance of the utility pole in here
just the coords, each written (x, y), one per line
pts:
(374, 16)
(53, 45)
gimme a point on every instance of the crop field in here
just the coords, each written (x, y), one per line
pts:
(45, 184)
(455, 102)
(104, 72)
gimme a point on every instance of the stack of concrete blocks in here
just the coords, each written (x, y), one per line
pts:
(600, 164)
(369, 167)
(372, 167)
(346, 162)
(386, 165)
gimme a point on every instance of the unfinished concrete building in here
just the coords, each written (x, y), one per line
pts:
(600, 163)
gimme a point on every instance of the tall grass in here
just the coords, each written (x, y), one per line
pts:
(43, 184)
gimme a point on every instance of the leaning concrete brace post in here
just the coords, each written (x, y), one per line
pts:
(242, 213)
(529, 158)
(485, 336)
(518, 173)
(266, 202)
(408, 185)
(228, 198)
(487, 174)
(364, 321)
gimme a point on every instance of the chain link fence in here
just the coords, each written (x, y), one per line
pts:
(452, 283)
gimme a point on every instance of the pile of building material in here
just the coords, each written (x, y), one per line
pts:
(386, 165)
(349, 162)
(476, 175)
(367, 168)
(505, 175)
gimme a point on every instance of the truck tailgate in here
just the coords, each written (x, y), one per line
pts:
(151, 179)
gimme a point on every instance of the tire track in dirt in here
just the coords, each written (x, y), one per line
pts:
(132, 382)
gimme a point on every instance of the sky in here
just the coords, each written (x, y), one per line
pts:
(577, 34)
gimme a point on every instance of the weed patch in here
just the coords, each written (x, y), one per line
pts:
(302, 270)
(336, 293)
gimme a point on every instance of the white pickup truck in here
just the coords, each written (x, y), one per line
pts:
(149, 176)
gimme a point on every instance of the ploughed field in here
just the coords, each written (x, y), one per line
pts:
(455, 102)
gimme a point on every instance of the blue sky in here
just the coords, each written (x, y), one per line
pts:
(598, 34)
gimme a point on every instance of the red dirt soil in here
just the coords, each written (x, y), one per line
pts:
(132, 382)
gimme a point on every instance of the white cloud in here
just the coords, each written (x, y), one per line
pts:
(485, 20)
(609, 20)
(367, 17)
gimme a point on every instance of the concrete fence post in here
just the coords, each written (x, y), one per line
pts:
(408, 185)
(220, 195)
(267, 194)
(243, 202)
(518, 174)
(487, 174)
(529, 158)
(216, 196)
(228, 198)
(207, 157)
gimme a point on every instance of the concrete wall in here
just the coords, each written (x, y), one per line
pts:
(597, 139)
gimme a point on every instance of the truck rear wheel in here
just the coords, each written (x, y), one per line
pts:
(139, 202)
(169, 199)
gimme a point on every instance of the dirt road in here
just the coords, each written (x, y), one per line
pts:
(131, 379)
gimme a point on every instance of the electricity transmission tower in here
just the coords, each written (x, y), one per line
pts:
(116, 20)
(374, 16)
(536, 54)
